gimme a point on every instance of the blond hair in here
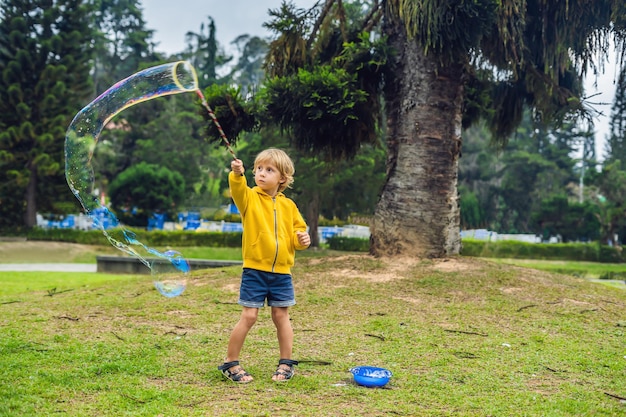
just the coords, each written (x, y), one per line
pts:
(282, 161)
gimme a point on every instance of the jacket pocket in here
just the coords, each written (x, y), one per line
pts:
(264, 248)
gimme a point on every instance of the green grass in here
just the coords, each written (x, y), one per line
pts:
(58, 252)
(16, 283)
(463, 337)
(587, 270)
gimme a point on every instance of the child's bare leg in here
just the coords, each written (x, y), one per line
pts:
(238, 335)
(284, 331)
(240, 331)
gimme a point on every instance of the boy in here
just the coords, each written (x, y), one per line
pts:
(273, 229)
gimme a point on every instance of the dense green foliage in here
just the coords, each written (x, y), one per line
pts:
(535, 184)
(592, 252)
(348, 244)
(145, 189)
(328, 116)
(234, 114)
(512, 57)
(204, 54)
(45, 60)
(325, 91)
(122, 43)
(531, 184)
(520, 54)
(159, 238)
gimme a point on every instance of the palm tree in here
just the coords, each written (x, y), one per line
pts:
(450, 53)
(454, 62)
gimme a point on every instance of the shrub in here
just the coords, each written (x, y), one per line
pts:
(153, 238)
(149, 188)
(351, 244)
(591, 252)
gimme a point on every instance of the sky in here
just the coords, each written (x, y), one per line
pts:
(171, 20)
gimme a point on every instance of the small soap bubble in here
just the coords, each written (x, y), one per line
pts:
(170, 275)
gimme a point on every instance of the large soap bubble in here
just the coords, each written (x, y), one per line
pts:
(81, 140)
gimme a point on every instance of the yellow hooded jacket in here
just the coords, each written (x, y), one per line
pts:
(270, 224)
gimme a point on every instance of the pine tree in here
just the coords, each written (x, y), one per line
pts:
(45, 53)
(205, 54)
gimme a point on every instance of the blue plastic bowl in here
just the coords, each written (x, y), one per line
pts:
(371, 376)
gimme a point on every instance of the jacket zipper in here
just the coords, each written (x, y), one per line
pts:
(275, 235)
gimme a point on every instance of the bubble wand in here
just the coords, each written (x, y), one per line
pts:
(217, 123)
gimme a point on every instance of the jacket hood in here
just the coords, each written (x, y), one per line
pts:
(260, 191)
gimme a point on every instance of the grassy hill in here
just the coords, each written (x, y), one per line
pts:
(463, 337)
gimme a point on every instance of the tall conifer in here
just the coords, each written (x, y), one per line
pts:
(45, 55)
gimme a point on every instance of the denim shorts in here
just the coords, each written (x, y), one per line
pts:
(257, 286)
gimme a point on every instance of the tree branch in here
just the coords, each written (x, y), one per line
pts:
(318, 23)
(373, 17)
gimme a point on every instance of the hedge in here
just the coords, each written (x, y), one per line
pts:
(591, 252)
(351, 244)
(154, 237)
(180, 238)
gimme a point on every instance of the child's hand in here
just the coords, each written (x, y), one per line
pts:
(237, 166)
(303, 238)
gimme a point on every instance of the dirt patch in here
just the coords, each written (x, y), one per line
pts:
(455, 265)
(412, 300)
(381, 270)
(234, 288)
(338, 259)
(369, 276)
(512, 290)
(370, 268)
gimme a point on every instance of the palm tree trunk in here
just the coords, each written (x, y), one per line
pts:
(418, 213)
(312, 210)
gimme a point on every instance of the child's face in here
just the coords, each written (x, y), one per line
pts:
(268, 177)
